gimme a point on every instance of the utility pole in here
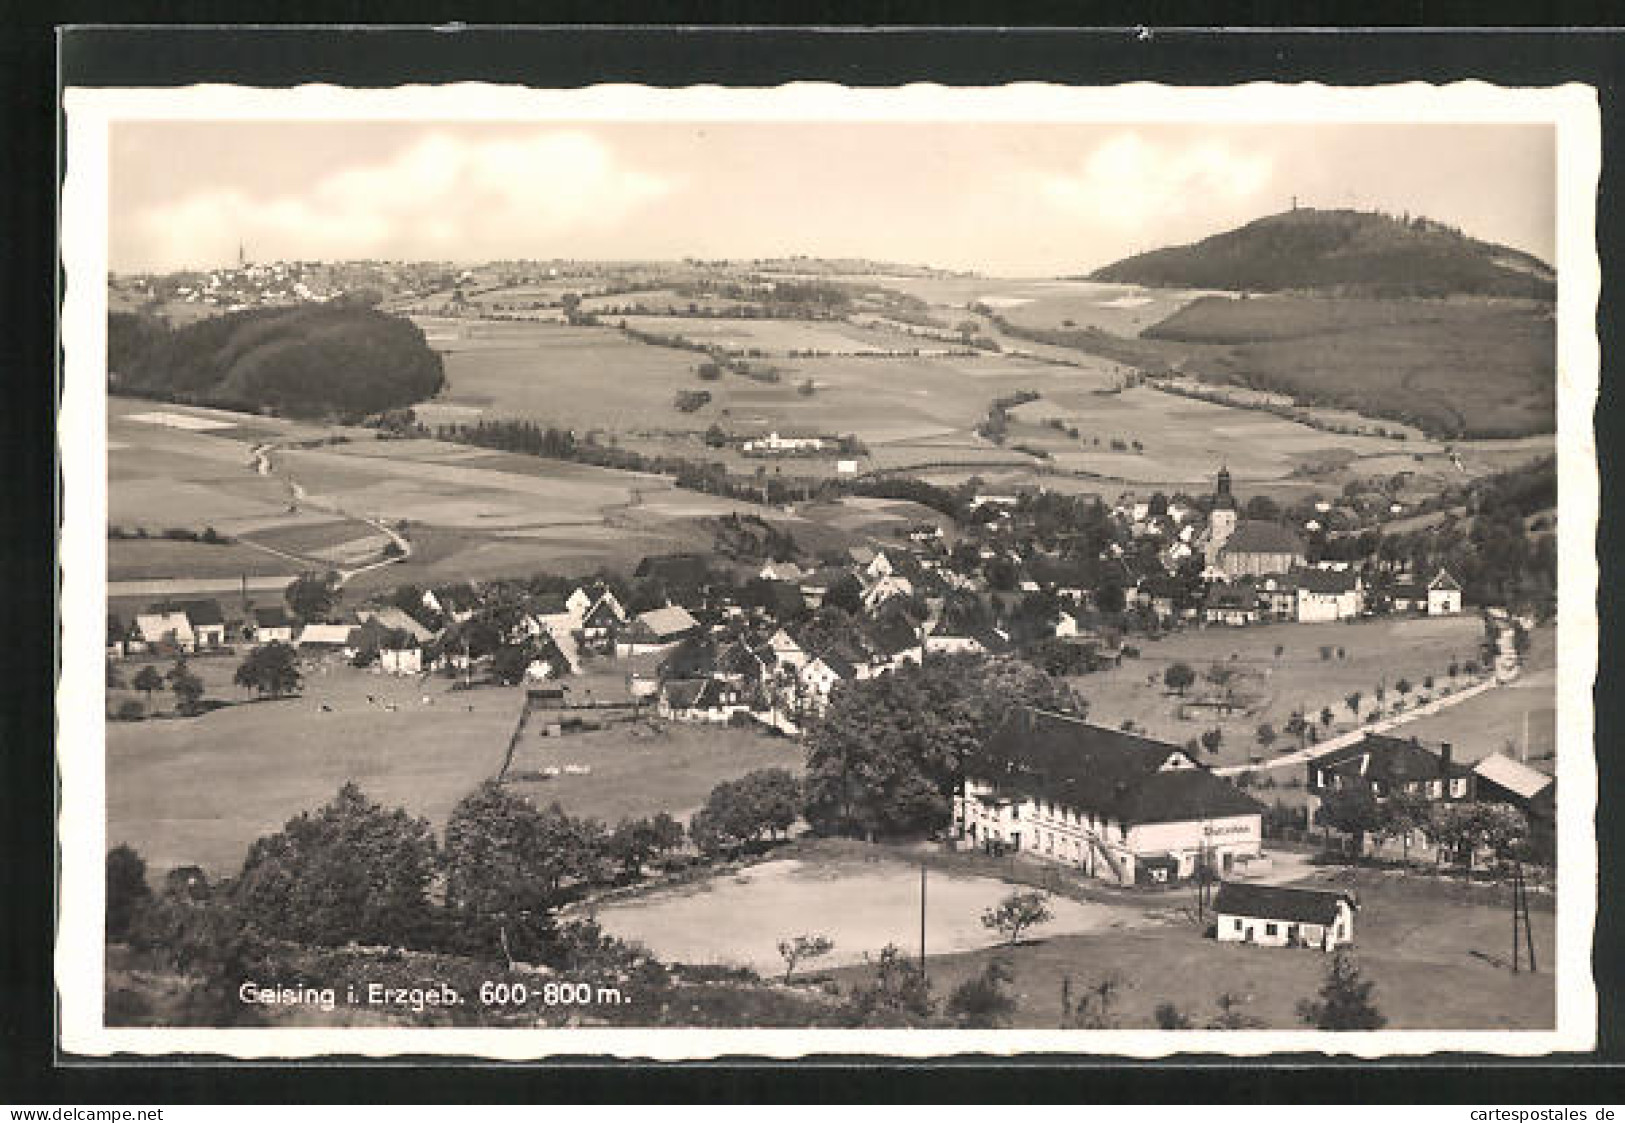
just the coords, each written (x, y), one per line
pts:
(922, 918)
(1520, 918)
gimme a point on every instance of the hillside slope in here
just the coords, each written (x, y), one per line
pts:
(1342, 251)
(302, 361)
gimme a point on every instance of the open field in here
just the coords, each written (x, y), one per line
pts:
(199, 790)
(1494, 721)
(776, 338)
(862, 903)
(1270, 688)
(1438, 963)
(642, 767)
(156, 558)
(572, 377)
(1485, 368)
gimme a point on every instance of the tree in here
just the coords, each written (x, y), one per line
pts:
(186, 686)
(1169, 1016)
(1345, 999)
(1352, 810)
(1326, 716)
(348, 871)
(634, 841)
(127, 890)
(1265, 736)
(509, 662)
(1178, 678)
(1095, 1008)
(1016, 914)
(846, 593)
(311, 596)
(1212, 739)
(272, 669)
(1353, 701)
(982, 1002)
(1404, 812)
(887, 754)
(898, 995)
(803, 947)
(147, 680)
(739, 812)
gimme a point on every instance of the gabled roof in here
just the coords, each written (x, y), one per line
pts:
(1519, 779)
(1256, 536)
(1390, 759)
(842, 667)
(1444, 581)
(154, 626)
(393, 618)
(274, 616)
(326, 635)
(673, 620)
(682, 694)
(1280, 902)
(694, 657)
(1326, 582)
(1103, 771)
(201, 613)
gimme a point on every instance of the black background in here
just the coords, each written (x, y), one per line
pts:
(30, 1071)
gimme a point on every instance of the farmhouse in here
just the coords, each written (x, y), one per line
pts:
(656, 630)
(783, 444)
(707, 699)
(1231, 602)
(1444, 595)
(1117, 806)
(394, 619)
(272, 625)
(820, 677)
(1388, 765)
(332, 637)
(401, 660)
(161, 631)
(208, 622)
(1328, 594)
(1284, 916)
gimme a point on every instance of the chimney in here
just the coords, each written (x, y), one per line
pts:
(1444, 759)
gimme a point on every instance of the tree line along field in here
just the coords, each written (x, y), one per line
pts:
(1270, 687)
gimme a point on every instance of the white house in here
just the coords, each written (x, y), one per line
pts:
(781, 571)
(1116, 806)
(710, 699)
(1066, 627)
(1444, 595)
(1284, 916)
(1328, 594)
(820, 677)
(885, 588)
(272, 625)
(401, 660)
(786, 651)
(165, 629)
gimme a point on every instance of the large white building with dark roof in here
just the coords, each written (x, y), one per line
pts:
(1114, 805)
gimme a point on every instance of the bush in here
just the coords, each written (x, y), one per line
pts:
(131, 710)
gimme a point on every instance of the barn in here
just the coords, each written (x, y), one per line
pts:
(1283, 916)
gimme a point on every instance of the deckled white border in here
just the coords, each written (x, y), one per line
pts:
(1571, 109)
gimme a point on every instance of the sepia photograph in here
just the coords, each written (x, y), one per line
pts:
(914, 570)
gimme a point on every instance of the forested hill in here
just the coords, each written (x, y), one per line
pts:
(311, 360)
(1346, 251)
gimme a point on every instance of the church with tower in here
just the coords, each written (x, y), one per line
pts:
(1238, 547)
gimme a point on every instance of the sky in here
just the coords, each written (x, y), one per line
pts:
(998, 198)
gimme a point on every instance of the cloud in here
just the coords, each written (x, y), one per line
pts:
(1131, 180)
(442, 196)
